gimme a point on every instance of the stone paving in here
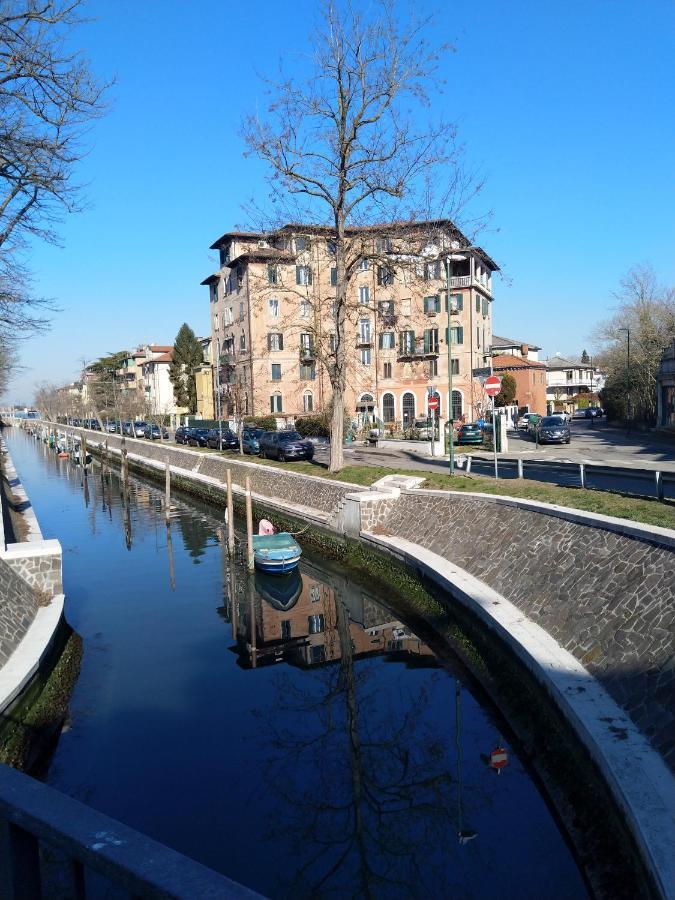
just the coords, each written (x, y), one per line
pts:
(607, 598)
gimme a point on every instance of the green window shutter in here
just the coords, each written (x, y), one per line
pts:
(333, 276)
(401, 342)
(486, 307)
(427, 340)
(281, 342)
(460, 335)
(297, 274)
(460, 301)
(309, 275)
(269, 341)
(380, 342)
(477, 304)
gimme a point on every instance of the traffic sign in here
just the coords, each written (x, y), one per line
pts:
(493, 385)
(433, 403)
(483, 372)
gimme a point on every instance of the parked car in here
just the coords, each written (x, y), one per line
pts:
(181, 434)
(582, 414)
(424, 429)
(524, 421)
(251, 440)
(138, 429)
(197, 437)
(284, 445)
(154, 433)
(471, 433)
(222, 440)
(552, 430)
(111, 427)
(595, 411)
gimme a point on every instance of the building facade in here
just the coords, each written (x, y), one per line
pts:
(502, 346)
(665, 390)
(568, 379)
(530, 377)
(272, 304)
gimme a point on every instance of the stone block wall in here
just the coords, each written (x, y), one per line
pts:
(606, 597)
(18, 606)
(39, 564)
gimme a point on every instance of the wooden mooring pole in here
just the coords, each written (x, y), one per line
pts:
(83, 452)
(230, 515)
(249, 527)
(167, 491)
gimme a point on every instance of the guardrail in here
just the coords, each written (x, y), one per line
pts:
(594, 476)
(35, 818)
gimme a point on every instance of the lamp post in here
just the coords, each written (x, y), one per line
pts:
(451, 428)
(627, 330)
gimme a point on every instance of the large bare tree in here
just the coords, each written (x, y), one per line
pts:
(47, 98)
(345, 151)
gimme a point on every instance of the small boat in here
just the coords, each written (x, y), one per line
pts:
(280, 591)
(276, 553)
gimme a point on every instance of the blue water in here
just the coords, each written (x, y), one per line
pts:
(325, 752)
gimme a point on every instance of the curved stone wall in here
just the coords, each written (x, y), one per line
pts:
(605, 596)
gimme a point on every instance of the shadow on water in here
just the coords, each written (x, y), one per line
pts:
(293, 733)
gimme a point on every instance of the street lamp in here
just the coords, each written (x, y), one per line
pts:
(627, 330)
(450, 409)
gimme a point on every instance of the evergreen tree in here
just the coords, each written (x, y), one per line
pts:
(585, 358)
(187, 355)
(508, 392)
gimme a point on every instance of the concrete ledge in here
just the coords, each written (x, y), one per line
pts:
(32, 649)
(652, 534)
(26, 509)
(641, 783)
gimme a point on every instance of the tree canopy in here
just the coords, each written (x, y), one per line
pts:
(187, 355)
(508, 392)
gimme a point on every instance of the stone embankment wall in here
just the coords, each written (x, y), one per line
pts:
(605, 596)
(18, 606)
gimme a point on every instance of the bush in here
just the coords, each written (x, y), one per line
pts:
(312, 426)
(269, 423)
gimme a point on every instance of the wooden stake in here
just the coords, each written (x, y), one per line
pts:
(249, 526)
(230, 515)
(167, 492)
(83, 452)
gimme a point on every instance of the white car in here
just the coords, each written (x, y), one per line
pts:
(524, 421)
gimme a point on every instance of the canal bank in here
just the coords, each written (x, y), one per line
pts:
(644, 795)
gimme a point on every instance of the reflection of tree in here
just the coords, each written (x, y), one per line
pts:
(196, 533)
(368, 801)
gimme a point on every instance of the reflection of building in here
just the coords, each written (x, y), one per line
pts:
(307, 633)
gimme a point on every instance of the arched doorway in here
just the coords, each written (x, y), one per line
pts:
(408, 409)
(457, 405)
(365, 410)
(388, 408)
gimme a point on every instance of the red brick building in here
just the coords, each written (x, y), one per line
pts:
(530, 378)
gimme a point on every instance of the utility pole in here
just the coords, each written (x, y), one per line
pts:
(628, 416)
(451, 428)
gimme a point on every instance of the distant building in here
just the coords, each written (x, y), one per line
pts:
(157, 385)
(502, 346)
(665, 389)
(204, 382)
(530, 377)
(568, 379)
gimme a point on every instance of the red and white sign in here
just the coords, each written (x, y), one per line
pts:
(499, 758)
(493, 385)
(433, 403)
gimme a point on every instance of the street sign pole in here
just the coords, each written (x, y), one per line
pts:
(494, 435)
(493, 386)
(451, 429)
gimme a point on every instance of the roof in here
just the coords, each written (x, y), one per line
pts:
(361, 229)
(506, 361)
(161, 348)
(504, 343)
(162, 358)
(564, 362)
(264, 253)
(211, 279)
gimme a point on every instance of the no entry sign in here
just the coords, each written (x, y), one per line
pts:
(433, 402)
(493, 385)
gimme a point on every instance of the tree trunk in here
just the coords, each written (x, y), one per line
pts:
(338, 375)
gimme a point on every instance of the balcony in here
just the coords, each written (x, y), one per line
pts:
(307, 354)
(417, 351)
(388, 320)
(466, 281)
(364, 340)
(227, 359)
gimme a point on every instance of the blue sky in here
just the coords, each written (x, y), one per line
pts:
(565, 107)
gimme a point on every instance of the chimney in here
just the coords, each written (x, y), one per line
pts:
(524, 350)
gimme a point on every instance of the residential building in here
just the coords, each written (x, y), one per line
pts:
(530, 377)
(507, 346)
(567, 379)
(157, 385)
(204, 382)
(665, 389)
(273, 320)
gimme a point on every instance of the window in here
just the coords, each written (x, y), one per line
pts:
(224, 255)
(406, 306)
(240, 276)
(332, 343)
(408, 409)
(569, 375)
(387, 341)
(477, 303)
(318, 653)
(364, 331)
(307, 342)
(364, 294)
(477, 336)
(285, 629)
(432, 270)
(454, 363)
(272, 275)
(386, 307)
(307, 372)
(431, 340)
(385, 275)
(456, 405)
(432, 304)
(275, 341)
(301, 243)
(303, 275)
(307, 401)
(273, 308)
(386, 370)
(333, 276)
(275, 403)
(305, 307)
(365, 356)
(364, 265)
(456, 302)
(407, 342)
(388, 409)
(486, 307)
(214, 293)
(228, 316)
(433, 367)
(383, 245)
(276, 371)
(241, 310)
(242, 341)
(457, 334)
(316, 624)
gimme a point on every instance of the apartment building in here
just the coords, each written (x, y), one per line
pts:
(567, 378)
(272, 304)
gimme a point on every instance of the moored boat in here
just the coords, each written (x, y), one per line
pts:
(276, 553)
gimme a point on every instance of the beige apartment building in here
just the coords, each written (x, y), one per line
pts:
(272, 305)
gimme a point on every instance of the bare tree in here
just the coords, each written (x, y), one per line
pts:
(648, 310)
(344, 152)
(47, 97)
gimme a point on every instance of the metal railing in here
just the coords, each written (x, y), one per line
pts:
(52, 845)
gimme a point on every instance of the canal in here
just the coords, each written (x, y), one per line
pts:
(296, 736)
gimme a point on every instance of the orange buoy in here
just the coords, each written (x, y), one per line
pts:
(498, 759)
(63, 455)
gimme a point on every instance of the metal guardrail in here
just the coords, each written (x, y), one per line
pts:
(594, 476)
(39, 823)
